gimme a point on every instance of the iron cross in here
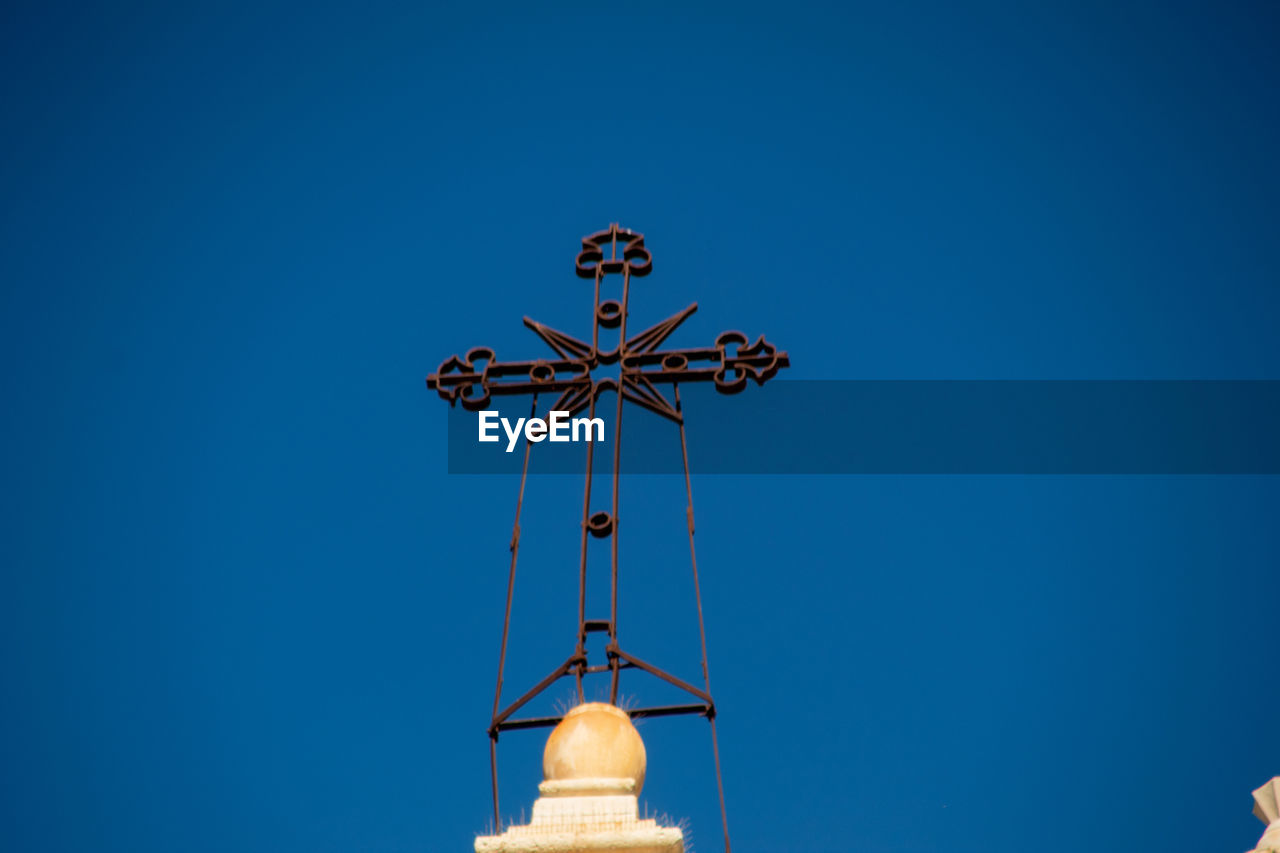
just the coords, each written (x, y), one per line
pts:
(478, 377)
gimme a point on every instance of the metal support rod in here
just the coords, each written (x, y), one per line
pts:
(535, 690)
(620, 655)
(506, 619)
(617, 475)
(493, 774)
(693, 551)
(697, 594)
(582, 563)
(702, 709)
(515, 552)
(724, 816)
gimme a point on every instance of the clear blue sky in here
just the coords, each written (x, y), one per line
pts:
(243, 608)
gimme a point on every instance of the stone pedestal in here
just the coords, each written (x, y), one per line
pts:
(593, 769)
(1266, 805)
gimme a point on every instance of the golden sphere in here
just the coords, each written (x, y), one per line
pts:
(594, 741)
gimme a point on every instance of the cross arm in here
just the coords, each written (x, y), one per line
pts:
(729, 364)
(475, 378)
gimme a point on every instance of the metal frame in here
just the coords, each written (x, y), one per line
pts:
(475, 379)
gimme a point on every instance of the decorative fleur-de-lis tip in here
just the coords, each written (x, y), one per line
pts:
(465, 365)
(462, 379)
(613, 250)
(759, 361)
(761, 347)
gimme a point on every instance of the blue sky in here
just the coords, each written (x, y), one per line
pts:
(244, 608)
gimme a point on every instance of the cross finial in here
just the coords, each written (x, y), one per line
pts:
(644, 369)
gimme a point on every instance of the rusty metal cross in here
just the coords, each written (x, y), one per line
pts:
(476, 378)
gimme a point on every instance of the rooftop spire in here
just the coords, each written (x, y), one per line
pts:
(593, 768)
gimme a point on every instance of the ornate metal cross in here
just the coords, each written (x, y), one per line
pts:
(478, 377)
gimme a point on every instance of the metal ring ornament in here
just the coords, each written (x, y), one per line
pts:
(541, 372)
(609, 314)
(600, 524)
(724, 384)
(471, 401)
